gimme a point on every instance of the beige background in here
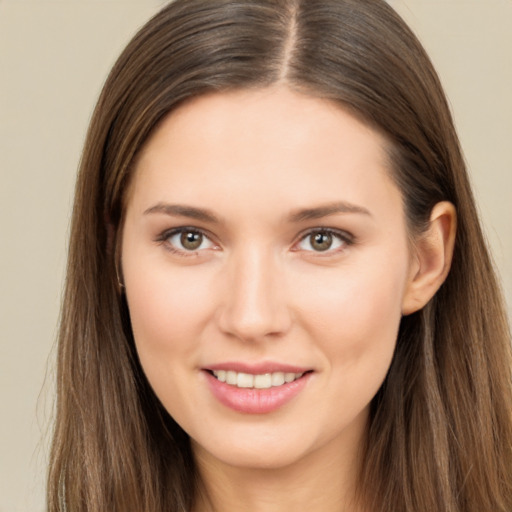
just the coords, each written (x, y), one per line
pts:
(54, 56)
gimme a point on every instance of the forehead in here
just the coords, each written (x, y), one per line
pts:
(289, 146)
(268, 117)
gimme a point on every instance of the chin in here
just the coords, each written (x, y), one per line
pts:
(253, 458)
(261, 451)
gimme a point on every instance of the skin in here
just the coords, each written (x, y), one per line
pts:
(258, 289)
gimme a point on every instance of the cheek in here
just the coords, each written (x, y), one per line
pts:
(167, 310)
(356, 329)
(355, 314)
(353, 300)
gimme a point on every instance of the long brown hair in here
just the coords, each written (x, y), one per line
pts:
(440, 433)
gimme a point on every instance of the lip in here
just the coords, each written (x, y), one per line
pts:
(252, 400)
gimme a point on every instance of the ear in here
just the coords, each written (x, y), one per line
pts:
(432, 257)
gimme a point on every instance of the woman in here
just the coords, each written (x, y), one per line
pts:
(278, 292)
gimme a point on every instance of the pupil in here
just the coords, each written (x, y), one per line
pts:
(191, 241)
(322, 241)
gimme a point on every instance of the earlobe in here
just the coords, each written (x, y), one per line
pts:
(433, 252)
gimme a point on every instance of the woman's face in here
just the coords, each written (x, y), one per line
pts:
(265, 258)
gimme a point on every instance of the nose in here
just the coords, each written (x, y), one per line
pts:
(255, 305)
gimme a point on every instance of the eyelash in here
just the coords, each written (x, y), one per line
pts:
(345, 239)
(164, 237)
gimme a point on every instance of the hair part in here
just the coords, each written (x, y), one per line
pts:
(440, 435)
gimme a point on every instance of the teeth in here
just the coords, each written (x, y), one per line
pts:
(261, 381)
(221, 375)
(278, 379)
(245, 380)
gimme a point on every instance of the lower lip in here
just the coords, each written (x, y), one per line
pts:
(255, 401)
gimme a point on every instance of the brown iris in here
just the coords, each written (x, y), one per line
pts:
(191, 240)
(321, 241)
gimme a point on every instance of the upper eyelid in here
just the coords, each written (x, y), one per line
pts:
(166, 233)
(345, 235)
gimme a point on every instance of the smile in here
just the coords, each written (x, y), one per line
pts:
(259, 381)
(256, 390)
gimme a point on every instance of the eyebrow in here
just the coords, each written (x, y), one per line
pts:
(180, 210)
(202, 214)
(326, 210)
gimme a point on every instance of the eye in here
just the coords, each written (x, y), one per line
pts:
(186, 240)
(324, 240)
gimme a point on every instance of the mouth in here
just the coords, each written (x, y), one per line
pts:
(253, 390)
(256, 381)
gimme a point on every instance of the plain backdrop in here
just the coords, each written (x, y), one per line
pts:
(54, 57)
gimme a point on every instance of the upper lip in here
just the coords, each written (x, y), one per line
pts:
(257, 368)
